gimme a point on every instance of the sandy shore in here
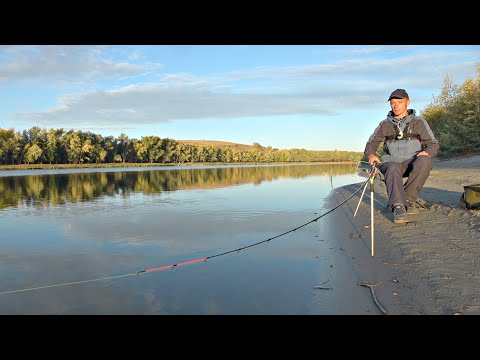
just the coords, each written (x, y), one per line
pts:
(430, 266)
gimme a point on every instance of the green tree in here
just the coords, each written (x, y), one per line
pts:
(32, 154)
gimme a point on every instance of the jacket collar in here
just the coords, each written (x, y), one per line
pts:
(406, 119)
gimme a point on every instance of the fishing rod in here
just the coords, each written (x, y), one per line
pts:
(371, 176)
(204, 259)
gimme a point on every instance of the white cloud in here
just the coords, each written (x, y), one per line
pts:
(164, 102)
(63, 63)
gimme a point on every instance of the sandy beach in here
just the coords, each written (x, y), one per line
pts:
(429, 266)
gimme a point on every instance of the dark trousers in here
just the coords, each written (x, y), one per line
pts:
(416, 169)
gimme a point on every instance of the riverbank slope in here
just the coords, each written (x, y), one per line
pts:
(430, 266)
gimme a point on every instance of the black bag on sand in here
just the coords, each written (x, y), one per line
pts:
(470, 198)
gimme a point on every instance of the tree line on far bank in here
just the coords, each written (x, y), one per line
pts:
(57, 146)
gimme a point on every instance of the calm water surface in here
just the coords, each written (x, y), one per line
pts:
(73, 241)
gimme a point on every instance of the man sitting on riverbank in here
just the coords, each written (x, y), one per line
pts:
(408, 148)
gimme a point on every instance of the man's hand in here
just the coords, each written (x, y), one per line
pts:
(372, 159)
(423, 153)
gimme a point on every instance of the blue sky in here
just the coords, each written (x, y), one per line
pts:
(319, 97)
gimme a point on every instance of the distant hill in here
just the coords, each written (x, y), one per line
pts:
(216, 143)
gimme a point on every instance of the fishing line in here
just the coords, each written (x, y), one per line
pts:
(165, 267)
(69, 283)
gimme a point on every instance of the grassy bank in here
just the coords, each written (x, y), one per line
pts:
(123, 165)
(75, 166)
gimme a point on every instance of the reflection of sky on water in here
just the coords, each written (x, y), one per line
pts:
(118, 235)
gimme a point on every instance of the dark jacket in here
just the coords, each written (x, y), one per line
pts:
(402, 139)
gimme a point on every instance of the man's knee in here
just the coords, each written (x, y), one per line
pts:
(391, 167)
(423, 162)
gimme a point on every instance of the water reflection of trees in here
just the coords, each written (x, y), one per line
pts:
(50, 190)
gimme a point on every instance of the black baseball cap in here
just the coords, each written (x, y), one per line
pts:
(398, 94)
